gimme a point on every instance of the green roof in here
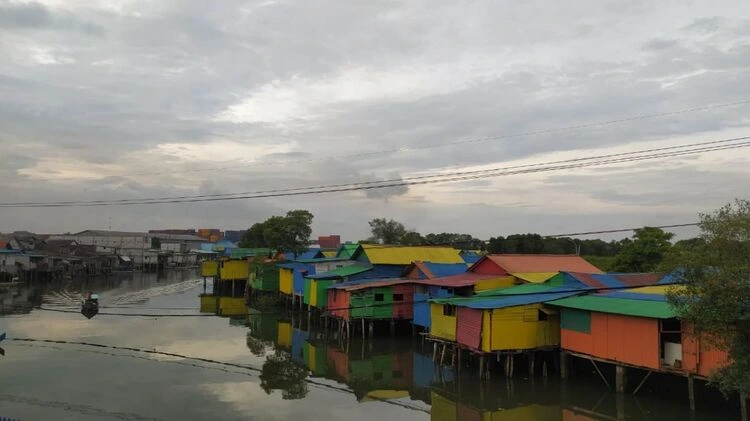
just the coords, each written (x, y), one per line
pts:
(518, 289)
(341, 272)
(347, 250)
(638, 308)
(322, 259)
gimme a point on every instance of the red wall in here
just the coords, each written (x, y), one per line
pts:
(404, 311)
(488, 267)
(630, 340)
(469, 327)
(338, 303)
(340, 363)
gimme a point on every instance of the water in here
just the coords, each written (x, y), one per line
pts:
(265, 367)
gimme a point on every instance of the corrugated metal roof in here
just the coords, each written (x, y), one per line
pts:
(615, 280)
(535, 277)
(341, 272)
(309, 254)
(470, 256)
(404, 255)
(329, 253)
(438, 270)
(372, 283)
(519, 298)
(240, 253)
(457, 281)
(322, 259)
(528, 263)
(629, 307)
(347, 250)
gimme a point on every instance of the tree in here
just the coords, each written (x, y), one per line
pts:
(646, 252)
(412, 238)
(279, 372)
(459, 241)
(290, 232)
(716, 291)
(387, 231)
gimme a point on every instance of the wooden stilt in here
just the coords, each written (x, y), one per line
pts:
(442, 354)
(481, 366)
(434, 351)
(604, 379)
(621, 378)
(564, 365)
(743, 405)
(348, 330)
(620, 404)
(507, 365)
(363, 329)
(459, 358)
(691, 391)
(646, 378)
(372, 328)
(512, 364)
(393, 327)
(453, 356)
(532, 361)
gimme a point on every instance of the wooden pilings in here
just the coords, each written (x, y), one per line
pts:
(691, 392)
(563, 365)
(621, 378)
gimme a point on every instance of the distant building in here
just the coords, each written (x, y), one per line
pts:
(211, 234)
(178, 243)
(329, 242)
(132, 245)
(234, 236)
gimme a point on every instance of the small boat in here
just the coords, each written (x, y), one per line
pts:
(90, 305)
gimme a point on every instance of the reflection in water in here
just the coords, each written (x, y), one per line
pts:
(397, 370)
(280, 373)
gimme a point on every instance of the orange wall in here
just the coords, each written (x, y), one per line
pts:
(698, 357)
(631, 340)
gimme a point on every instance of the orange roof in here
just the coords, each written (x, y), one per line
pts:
(3, 244)
(541, 263)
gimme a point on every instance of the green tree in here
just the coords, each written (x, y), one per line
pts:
(716, 292)
(279, 372)
(459, 241)
(412, 238)
(387, 231)
(290, 232)
(645, 252)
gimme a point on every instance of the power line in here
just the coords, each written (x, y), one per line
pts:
(428, 176)
(577, 234)
(436, 145)
(690, 149)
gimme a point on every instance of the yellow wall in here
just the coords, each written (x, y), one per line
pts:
(494, 283)
(284, 338)
(232, 306)
(209, 303)
(286, 281)
(234, 269)
(313, 292)
(209, 268)
(519, 328)
(443, 327)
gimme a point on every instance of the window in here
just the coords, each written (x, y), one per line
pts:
(449, 310)
(541, 316)
(379, 297)
(398, 297)
(576, 320)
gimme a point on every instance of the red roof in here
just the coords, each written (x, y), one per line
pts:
(526, 263)
(457, 281)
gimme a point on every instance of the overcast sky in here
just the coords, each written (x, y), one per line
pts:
(127, 99)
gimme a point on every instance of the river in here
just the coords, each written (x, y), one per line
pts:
(160, 359)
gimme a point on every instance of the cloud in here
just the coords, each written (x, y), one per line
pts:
(176, 98)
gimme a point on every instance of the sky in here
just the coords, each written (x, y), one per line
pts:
(131, 99)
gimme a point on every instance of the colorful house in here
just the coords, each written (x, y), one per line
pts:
(635, 327)
(264, 276)
(347, 250)
(230, 287)
(508, 264)
(389, 262)
(515, 319)
(429, 270)
(292, 277)
(372, 299)
(316, 286)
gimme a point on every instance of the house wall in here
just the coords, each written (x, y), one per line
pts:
(626, 339)
(321, 267)
(298, 281)
(421, 309)
(319, 292)
(443, 327)
(364, 305)
(699, 356)
(209, 268)
(469, 327)
(519, 328)
(488, 267)
(284, 335)
(494, 283)
(405, 310)
(339, 361)
(233, 269)
(286, 281)
(338, 303)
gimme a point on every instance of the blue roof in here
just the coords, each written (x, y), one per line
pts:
(497, 302)
(309, 254)
(470, 257)
(446, 269)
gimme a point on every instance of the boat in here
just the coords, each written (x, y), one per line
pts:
(90, 305)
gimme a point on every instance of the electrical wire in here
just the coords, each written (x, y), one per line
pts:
(634, 156)
(438, 145)
(616, 230)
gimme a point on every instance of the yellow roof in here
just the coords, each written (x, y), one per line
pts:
(396, 255)
(655, 289)
(535, 277)
(384, 395)
(329, 253)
